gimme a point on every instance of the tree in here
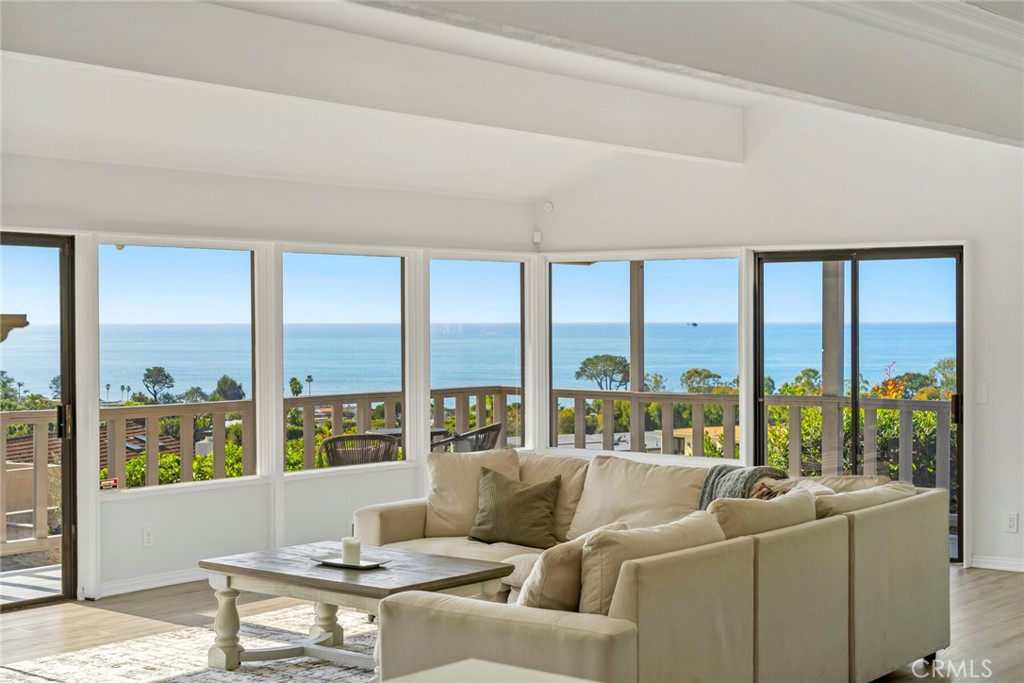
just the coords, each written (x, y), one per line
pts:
(122, 393)
(108, 392)
(193, 395)
(309, 382)
(655, 382)
(157, 380)
(943, 376)
(699, 381)
(55, 387)
(806, 383)
(228, 389)
(296, 386)
(609, 372)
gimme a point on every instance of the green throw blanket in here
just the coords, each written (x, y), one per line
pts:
(729, 481)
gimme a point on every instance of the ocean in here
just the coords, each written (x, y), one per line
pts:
(357, 358)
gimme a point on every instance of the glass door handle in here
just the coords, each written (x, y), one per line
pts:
(65, 421)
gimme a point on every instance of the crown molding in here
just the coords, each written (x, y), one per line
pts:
(951, 24)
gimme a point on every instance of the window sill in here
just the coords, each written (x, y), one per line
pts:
(184, 487)
(351, 470)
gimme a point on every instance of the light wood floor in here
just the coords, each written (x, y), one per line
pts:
(987, 623)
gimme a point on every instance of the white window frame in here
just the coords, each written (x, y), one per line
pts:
(744, 258)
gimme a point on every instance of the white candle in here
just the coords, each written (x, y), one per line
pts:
(350, 550)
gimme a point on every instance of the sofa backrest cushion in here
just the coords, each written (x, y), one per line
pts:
(638, 493)
(536, 467)
(511, 511)
(746, 516)
(605, 550)
(841, 483)
(829, 506)
(453, 496)
(555, 580)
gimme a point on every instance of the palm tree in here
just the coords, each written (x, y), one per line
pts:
(309, 383)
(128, 391)
(108, 392)
(122, 393)
(21, 384)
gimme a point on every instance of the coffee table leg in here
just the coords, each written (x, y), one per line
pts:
(327, 623)
(226, 652)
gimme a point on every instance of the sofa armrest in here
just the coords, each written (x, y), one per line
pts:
(801, 602)
(899, 583)
(694, 611)
(420, 630)
(403, 520)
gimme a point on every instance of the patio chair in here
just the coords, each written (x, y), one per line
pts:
(359, 449)
(482, 439)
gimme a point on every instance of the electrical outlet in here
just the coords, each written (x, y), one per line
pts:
(147, 537)
(1011, 522)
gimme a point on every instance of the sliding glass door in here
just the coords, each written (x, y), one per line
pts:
(859, 357)
(37, 474)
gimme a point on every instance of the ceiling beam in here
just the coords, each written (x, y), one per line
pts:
(228, 47)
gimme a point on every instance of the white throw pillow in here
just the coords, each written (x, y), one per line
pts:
(555, 581)
(830, 506)
(454, 494)
(747, 516)
(638, 493)
(605, 550)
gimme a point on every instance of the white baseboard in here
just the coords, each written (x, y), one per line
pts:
(1005, 564)
(152, 581)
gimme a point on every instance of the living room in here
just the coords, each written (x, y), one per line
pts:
(532, 137)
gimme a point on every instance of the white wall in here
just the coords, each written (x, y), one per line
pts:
(813, 176)
(319, 506)
(189, 524)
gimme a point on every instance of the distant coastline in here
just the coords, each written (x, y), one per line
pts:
(366, 357)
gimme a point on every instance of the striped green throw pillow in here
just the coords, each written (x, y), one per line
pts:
(514, 512)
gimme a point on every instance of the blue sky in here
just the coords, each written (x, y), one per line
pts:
(30, 283)
(474, 291)
(174, 285)
(332, 288)
(140, 285)
(897, 291)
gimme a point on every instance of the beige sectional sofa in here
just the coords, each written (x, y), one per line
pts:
(846, 597)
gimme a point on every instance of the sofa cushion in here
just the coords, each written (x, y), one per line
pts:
(605, 550)
(841, 483)
(638, 493)
(829, 506)
(556, 579)
(514, 512)
(453, 496)
(523, 566)
(460, 546)
(747, 516)
(536, 467)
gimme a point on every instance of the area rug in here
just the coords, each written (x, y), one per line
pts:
(180, 656)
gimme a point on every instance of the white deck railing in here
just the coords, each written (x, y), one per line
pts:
(638, 401)
(24, 496)
(832, 408)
